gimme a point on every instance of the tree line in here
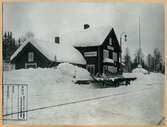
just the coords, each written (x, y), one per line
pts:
(153, 62)
(10, 44)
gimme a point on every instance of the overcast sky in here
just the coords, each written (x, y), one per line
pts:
(47, 20)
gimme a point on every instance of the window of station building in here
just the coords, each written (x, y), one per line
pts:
(105, 53)
(105, 69)
(112, 69)
(114, 56)
(110, 41)
(30, 57)
(30, 65)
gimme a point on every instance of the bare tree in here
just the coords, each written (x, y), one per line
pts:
(157, 60)
(139, 57)
(27, 36)
(150, 62)
(9, 46)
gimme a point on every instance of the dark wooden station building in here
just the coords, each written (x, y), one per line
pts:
(99, 46)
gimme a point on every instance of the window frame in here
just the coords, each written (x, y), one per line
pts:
(110, 41)
(27, 64)
(105, 69)
(115, 56)
(30, 56)
(105, 51)
(112, 69)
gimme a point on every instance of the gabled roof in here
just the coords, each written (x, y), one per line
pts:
(54, 52)
(87, 37)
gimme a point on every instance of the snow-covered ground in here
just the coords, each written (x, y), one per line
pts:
(64, 102)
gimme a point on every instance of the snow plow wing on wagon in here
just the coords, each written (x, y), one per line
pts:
(106, 82)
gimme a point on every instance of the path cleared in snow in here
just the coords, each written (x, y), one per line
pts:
(64, 102)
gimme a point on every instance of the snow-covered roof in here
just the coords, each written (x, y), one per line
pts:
(108, 60)
(93, 36)
(54, 52)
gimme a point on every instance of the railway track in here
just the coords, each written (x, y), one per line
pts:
(81, 101)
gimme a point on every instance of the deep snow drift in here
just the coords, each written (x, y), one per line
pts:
(139, 69)
(139, 103)
(65, 72)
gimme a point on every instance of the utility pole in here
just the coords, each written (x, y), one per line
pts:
(125, 35)
(139, 59)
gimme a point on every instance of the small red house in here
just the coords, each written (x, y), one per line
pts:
(36, 53)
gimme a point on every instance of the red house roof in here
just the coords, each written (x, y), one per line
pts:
(54, 52)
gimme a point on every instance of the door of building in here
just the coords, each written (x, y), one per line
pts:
(91, 68)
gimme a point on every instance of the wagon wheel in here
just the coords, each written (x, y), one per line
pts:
(104, 84)
(101, 84)
(116, 83)
(127, 83)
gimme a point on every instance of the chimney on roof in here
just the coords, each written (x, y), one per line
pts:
(57, 40)
(86, 26)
